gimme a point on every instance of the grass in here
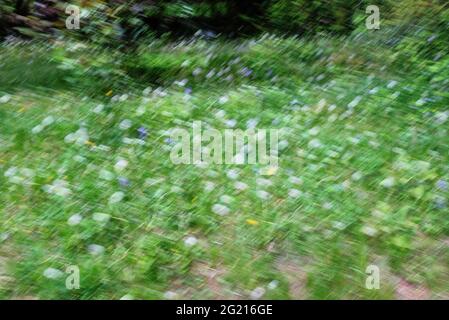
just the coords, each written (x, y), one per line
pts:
(371, 177)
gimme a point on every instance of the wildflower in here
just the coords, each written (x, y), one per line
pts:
(197, 71)
(264, 182)
(106, 175)
(120, 165)
(262, 194)
(190, 241)
(74, 219)
(232, 174)
(295, 180)
(170, 295)
(314, 131)
(11, 172)
(37, 129)
(257, 293)
(220, 209)
(59, 188)
(369, 231)
(125, 124)
(356, 176)
(123, 97)
(442, 185)
(101, 217)
(223, 99)
(392, 84)
(440, 203)
(98, 109)
(273, 285)
(252, 222)
(294, 193)
(123, 182)
(354, 102)
(5, 98)
(52, 273)
(388, 182)
(314, 144)
(209, 186)
(226, 199)
(95, 249)
(240, 185)
(116, 197)
(188, 91)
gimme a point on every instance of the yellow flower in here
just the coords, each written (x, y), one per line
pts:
(90, 143)
(109, 93)
(252, 222)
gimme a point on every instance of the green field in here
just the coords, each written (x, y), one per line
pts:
(86, 177)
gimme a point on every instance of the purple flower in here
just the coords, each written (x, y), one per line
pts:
(246, 72)
(143, 133)
(188, 91)
(440, 203)
(124, 182)
(442, 185)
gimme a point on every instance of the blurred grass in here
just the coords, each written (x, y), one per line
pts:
(314, 246)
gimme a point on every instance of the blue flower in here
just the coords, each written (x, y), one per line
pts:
(124, 182)
(143, 133)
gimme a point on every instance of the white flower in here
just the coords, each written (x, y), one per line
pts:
(5, 98)
(232, 174)
(125, 124)
(264, 182)
(257, 293)
(354, 102)
(106, 175)
(120, 165)
(223, 99)
(356, 176)
(197, 71)
(170, 295)
(101, 217)
(327, 205)
(220, 209)
(388, 182)
(231, 123)
(295, 180)
(314, 144)
(123, 97)
(392, 84)
(11, 172)
(262, 194)
(209, 186)
(240, 185)
(369, 231)
(95, 249)
(48, 121)
(190, 241)
(273, 285)
(37, 129)
(116, 197)
(98, 109)
(59, 188)
(79, 158)
(294, 193)
(52, 273)
(74, 220)
(226, 199)
(314, 131)
(441, 117)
